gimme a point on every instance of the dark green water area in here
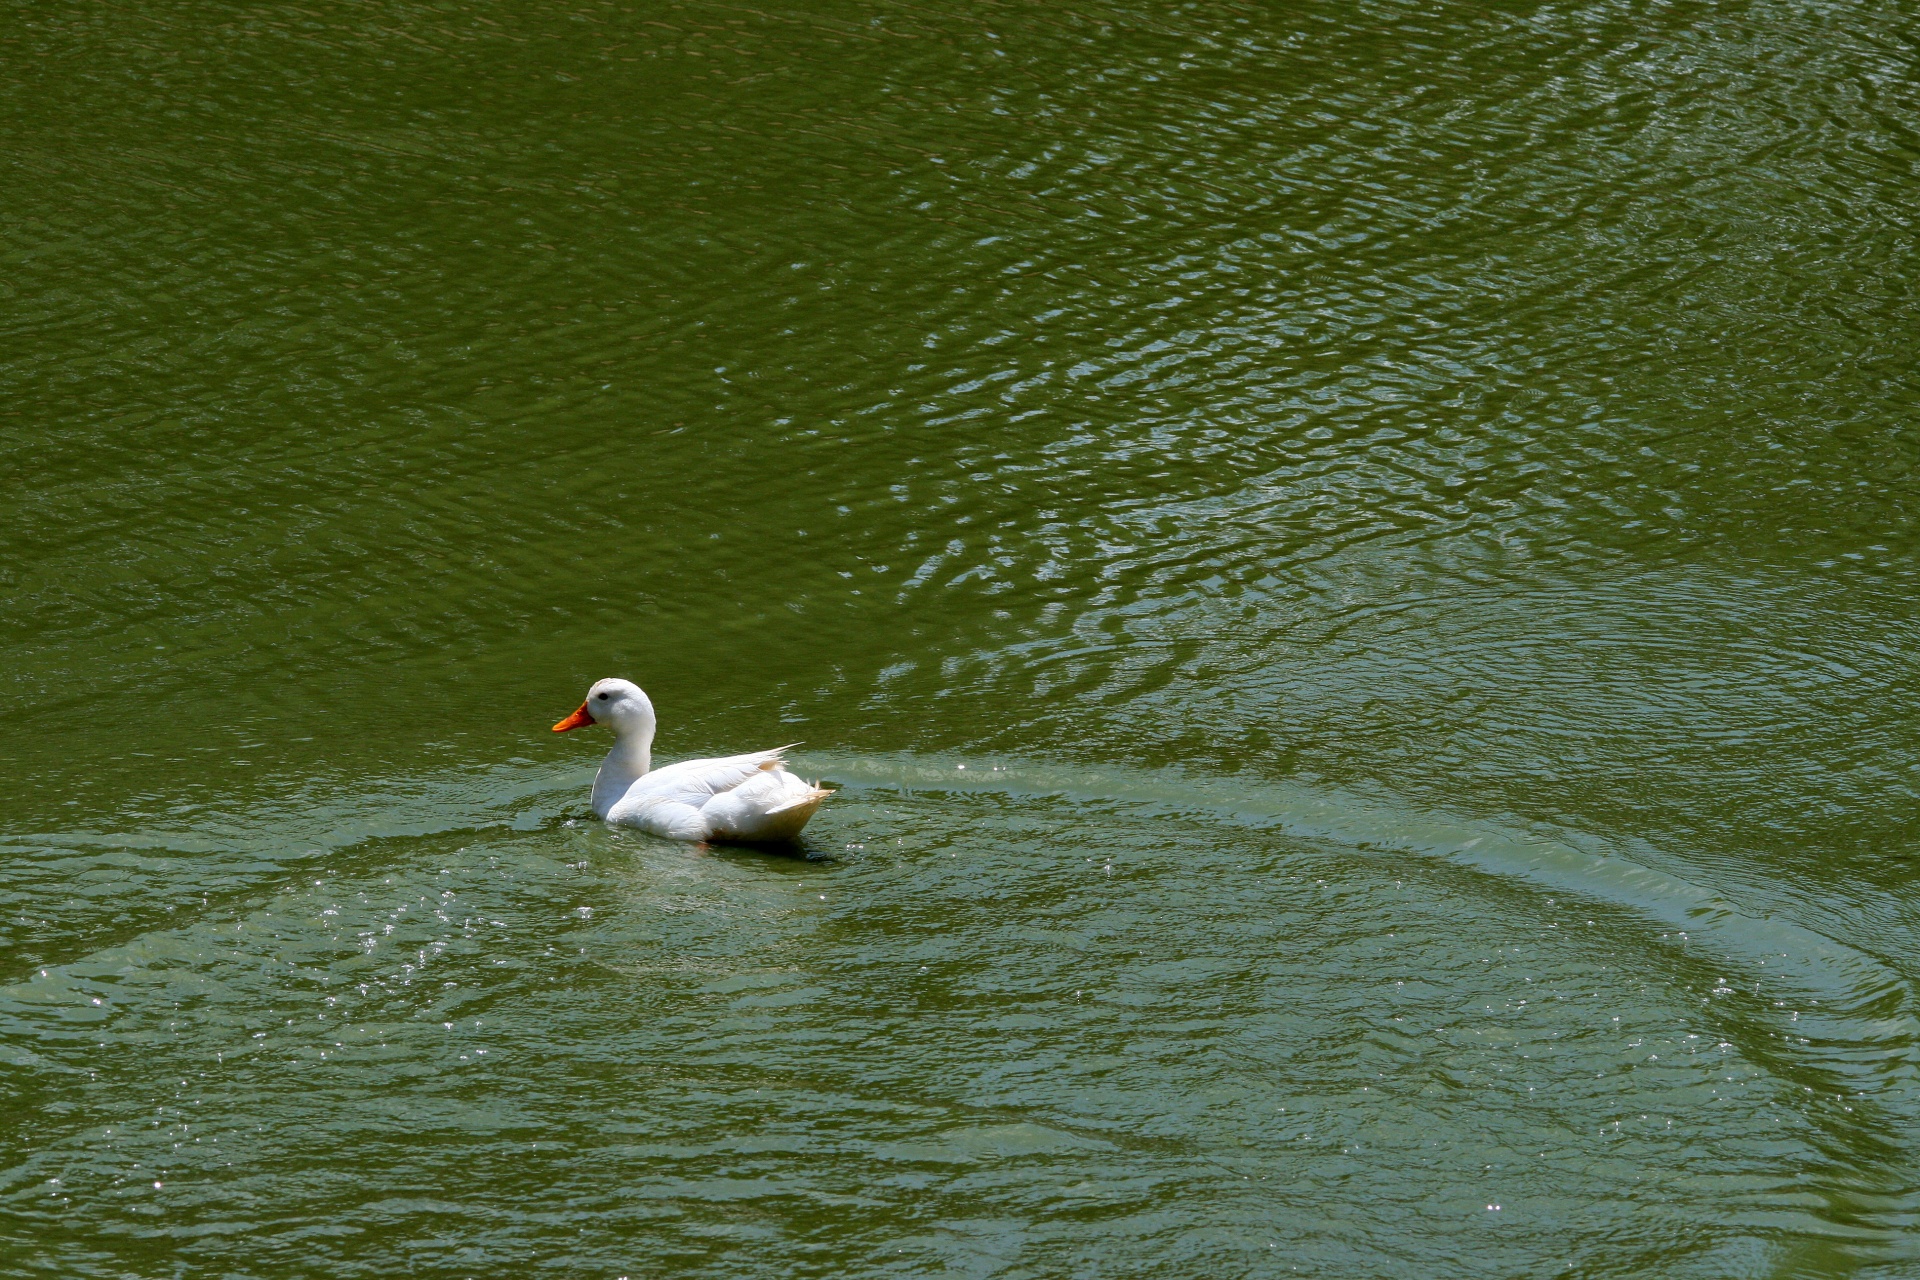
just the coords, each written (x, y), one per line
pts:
(1354, 564)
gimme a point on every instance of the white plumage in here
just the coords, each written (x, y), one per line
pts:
(746, 797)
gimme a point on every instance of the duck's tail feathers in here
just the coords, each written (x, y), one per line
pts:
(809, 800)
(775, 757)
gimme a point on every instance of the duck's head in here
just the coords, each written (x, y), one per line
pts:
(617, 703)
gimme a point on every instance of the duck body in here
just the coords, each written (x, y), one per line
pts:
(746, 797)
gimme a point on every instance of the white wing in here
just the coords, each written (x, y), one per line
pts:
(748, 797)
(695, 782)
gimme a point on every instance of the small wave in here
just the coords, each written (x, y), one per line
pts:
(1851, 1003)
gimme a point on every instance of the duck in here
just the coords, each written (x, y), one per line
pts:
(748, 797)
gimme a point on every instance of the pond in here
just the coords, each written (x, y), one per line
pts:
(1352, 565)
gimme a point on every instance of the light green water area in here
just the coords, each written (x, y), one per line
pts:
(1353, 564)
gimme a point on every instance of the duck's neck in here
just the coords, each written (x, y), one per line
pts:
(629, 759)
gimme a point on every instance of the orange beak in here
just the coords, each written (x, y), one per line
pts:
(578, 720)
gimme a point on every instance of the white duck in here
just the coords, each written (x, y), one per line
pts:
(746, 797)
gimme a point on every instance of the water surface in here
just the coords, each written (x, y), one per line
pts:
(1353, 564)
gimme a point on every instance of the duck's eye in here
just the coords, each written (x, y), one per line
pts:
(604, 697)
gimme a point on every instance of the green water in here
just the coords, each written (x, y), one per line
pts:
(1354, 564)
